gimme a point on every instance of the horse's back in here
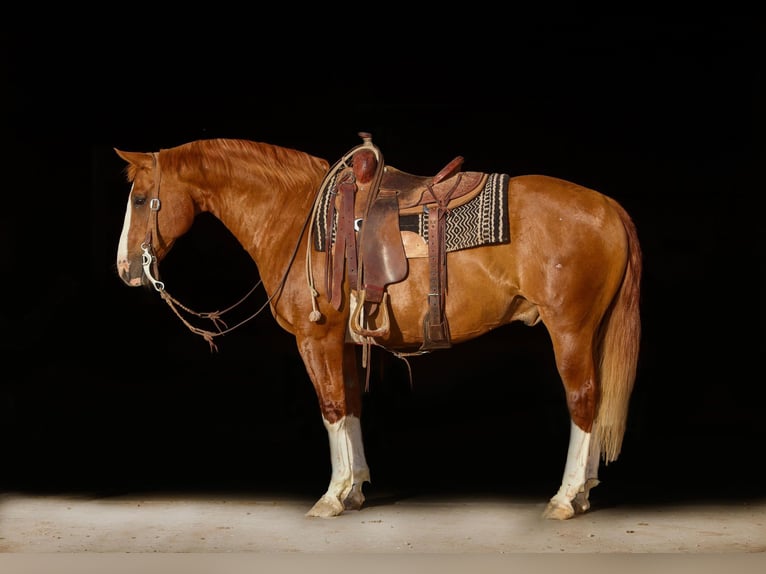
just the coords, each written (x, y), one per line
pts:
(545, 199)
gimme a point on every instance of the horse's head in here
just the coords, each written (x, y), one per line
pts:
(159, 211)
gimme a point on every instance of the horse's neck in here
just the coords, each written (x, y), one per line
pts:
(266, 220)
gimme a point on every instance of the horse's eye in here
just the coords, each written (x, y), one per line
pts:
(139, 200)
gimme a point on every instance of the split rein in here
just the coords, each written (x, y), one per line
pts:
(151, 265)
(148, 260)
(151, 270)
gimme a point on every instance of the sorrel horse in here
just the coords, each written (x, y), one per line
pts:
(563, 255)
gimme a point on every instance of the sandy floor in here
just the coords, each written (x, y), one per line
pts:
(221, 534)
(206, 523)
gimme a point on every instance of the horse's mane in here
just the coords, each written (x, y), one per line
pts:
(285, 168)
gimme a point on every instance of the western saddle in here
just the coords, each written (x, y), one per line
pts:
(366, 201)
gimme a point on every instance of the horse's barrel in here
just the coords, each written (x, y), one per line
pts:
(365, 164)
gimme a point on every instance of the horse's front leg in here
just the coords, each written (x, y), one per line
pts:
(333, 371)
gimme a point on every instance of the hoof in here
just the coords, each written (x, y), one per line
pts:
(354, 500)
(326, 507)
(581, 503)
(558, 511)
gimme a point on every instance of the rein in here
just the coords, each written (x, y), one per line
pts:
(150, 266)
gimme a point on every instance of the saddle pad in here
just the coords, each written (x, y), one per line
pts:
(319, 226)
(481, 221)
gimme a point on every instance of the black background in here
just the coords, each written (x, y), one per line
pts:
(104, 390)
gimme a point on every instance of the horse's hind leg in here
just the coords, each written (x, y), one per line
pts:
(335, 378)
(581, 503)
(574, 359)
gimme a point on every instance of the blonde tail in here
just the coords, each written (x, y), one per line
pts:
(618, 350)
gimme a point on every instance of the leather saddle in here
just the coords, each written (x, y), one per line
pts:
(369, 198)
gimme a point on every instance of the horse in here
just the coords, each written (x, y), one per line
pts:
(568, 257)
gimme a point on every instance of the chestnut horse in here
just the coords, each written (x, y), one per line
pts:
(572, 261)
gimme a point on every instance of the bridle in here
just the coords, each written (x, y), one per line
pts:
(150, 266)
(148, 259)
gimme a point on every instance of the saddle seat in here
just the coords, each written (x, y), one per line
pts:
(415, 191)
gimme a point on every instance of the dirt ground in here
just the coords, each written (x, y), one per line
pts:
(188, 523)
(207, 523)
(449, 529)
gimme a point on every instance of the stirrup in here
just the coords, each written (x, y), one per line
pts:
(385, 326)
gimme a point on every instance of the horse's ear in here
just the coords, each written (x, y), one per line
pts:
(139, 159)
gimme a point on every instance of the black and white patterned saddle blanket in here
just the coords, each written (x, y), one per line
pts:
(481, 221)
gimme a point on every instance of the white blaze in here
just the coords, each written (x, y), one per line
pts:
(122, 247)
